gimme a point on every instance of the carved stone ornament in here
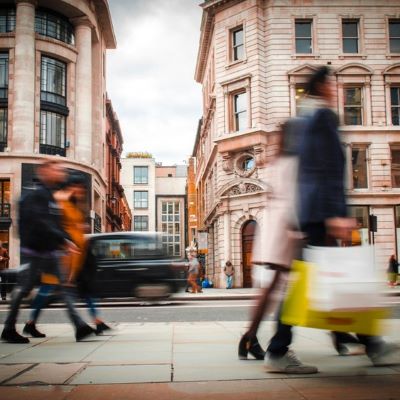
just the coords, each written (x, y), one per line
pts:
(243, 188)
(245, 164)
(227, 162)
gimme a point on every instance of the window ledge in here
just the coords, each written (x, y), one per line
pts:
(344, 56)
(301, 56)
(234, 63)
(392, 55)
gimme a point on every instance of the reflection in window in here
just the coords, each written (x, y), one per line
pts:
(3, 128)
(353, 106)
(350, 36)
(359, 167)
(140, 199)
(54, 26)
(3, 75)
(237, 44)
(360, 236)
(394, 35)
(395, 104)
(240, 111)
(140, 175)
(141, 223)
(247, 163)
(138, 247)
(395, 156)
(303, 32)
(53, 78)
(7, 20)
(52, 133)
(300, 94)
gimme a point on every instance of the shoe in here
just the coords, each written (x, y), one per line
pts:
(288, 364)
(388, 354)
(101, 327)
(30, 329)
(250, 345)
(12, 336)
(83, 331)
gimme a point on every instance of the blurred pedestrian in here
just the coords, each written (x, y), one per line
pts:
(229, 273)
(70, 199)
(322, 212)
(393, 270)
(4, 260)
(193, 272)
(42, 240)
(275, 246)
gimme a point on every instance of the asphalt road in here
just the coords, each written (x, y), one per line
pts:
(190, 311)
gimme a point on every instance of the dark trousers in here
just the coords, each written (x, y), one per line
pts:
(280, 342)
(31, 279)
(3, 286)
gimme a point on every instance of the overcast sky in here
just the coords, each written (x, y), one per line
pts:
(150, 76)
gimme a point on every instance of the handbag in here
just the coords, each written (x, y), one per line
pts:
(335, 288)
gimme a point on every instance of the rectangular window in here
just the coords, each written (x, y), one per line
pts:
(395, 104)
(359, 167)
(350, 36)
(3, 128)
(53, 81)
(353, 106)
(360, 236)
(141, 175)
(52, 133)
(3, 75)
(141, 199)
(237, 44)
(300, 94)
(395, 156)
(303, 34)
(140, 223)
(394, 35)
(171, 227)
(240, 111)
(7, 19)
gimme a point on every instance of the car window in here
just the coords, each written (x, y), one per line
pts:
(128, 248)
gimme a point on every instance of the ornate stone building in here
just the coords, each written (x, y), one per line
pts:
(254, 58)
(52, 99)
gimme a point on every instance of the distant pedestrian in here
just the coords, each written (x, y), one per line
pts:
(193, 272)
(393, 270)
(4, 260)
(43, 240)
(229, 271)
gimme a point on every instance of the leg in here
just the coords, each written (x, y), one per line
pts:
(40, 301)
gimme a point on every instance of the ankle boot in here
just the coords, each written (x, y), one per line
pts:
(249, 344)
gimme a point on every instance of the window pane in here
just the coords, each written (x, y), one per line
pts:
(238, 53)
(359, 164)
(352, 116)
(396, 115)
(52, 129)
(3, 74)
(241, 121)
(303, 46)
(350, 29)
(350, 45)
(394, 28)
(353, 96)
(240, 102)
(395, 45)
(238, 37)
(361, 235)
(394, 96)
(303, 29)
(3, 126)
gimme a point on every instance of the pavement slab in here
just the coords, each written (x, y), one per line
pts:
(9, 371)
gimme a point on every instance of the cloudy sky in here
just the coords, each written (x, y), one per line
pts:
(150, 76)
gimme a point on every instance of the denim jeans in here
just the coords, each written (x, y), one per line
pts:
(229, 281)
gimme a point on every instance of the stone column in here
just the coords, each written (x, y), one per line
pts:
(227, 237)
(83, 84)
(23, 107)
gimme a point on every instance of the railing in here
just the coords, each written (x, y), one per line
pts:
(97, 223)
(5, 210)
(52, 150)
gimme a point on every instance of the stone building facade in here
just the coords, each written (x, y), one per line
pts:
(254, 58)
(52, 98)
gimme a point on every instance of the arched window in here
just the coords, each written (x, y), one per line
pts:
(55, 26)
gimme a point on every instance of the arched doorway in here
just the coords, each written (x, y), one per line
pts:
(248, 232)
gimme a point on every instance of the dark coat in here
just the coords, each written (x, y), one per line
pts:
(321, 170)
(393, 267)
(40, 226)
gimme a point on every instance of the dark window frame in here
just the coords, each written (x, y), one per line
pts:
(359, 107)
(55, 26)
(395, 166)
(8, 17)
(364, 183)
(138, 178)
(395, 39)
(50, 65)
(57, 146)
(298, 38)
(351, 38)
(141, 223)
(237, 47)
(142, 202)
(4, 63)
(395, 109)
(237, 113)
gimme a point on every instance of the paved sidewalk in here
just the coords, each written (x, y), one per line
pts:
(183, 361)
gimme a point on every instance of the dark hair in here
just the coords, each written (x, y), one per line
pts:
(319, 77)
(73, 179)
(228, 263)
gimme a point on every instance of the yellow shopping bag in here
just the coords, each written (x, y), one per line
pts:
(297, 309)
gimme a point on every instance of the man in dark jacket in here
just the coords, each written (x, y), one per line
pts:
(42, 242)
(321, 211)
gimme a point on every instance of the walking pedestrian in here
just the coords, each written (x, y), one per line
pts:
(193, 272)
(43, 240)
(229, 273)
(74, 264)
(322, 211)
(4, 260)
(393, 270)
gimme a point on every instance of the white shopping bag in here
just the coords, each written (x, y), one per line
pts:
(345, 278)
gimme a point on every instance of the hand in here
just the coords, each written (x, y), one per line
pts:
(340, 228)
(71, 247)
